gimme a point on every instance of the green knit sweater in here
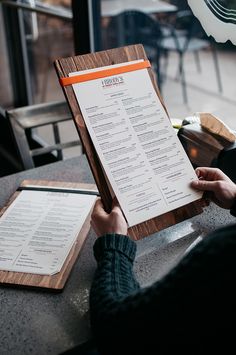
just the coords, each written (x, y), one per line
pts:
(189, 311)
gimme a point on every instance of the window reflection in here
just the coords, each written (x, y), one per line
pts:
(48, 38)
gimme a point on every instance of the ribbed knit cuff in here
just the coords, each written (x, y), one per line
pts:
(117, 242)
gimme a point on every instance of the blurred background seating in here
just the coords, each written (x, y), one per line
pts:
(25, 120)
(35, 32)
(129, 27)
(185, 34)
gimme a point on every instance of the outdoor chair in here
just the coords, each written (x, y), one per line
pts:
(186, 35)
(32, 150)
(132, 27)
(181, 4)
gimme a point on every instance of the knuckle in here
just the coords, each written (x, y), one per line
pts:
(115, 214)
(219, 185)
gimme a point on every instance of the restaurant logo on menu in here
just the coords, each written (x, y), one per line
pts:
(114, 81)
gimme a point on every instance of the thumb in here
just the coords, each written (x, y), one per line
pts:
(204, 185)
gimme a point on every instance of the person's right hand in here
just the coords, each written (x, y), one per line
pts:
(222, 189)
(104, 223)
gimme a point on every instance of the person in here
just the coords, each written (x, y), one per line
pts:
(191, 310)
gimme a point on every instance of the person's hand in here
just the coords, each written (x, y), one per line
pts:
(103, 222)
(220, 188)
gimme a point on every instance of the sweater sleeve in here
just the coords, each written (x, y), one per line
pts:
(113, 282)
(114, 278)
(172, 307)
(115, 256)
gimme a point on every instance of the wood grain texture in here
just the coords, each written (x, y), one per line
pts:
(63, 67)
(55, 282)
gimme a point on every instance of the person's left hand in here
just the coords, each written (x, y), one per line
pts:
(103, 222)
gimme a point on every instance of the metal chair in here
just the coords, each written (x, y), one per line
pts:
(186, 35)
(132, 27)
(23, 122)
(181, 4)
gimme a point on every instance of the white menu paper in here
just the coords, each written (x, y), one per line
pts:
(141, 154)
(39, 228)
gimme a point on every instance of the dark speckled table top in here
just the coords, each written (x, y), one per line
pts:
(42, 322)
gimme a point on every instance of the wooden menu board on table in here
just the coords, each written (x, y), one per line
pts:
(57, 281)
(64, 67)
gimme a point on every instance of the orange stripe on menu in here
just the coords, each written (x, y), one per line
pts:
(104, 73)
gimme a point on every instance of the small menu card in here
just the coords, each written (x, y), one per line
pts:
(39, 228)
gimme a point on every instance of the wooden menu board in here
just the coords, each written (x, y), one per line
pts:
(64, 67)
(57, 281)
